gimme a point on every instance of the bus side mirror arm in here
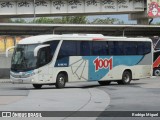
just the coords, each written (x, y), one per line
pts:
(8, 49)
(38, 48)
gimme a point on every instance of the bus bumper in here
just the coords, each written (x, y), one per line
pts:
(29, 80)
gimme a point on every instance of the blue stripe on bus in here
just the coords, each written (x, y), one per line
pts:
(116, 61)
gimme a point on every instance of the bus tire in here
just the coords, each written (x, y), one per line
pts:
(37, 86)
(126, 78)
(61, 80)
(104, 82)
(156, 72)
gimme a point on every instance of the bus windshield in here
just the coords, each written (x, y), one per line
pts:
(23, 58)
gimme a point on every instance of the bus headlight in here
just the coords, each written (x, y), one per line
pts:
(29, 74)
(33, 73)
(32, 80)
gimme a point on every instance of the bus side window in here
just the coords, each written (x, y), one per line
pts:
(85, 48)
(44, 56)
(68, 48)
(147, 48)
(130, 48)
(118, 48)
(144, 48)
(53, 46)
(111, 47)
(99, 48)
(140, 50)
(115, 48)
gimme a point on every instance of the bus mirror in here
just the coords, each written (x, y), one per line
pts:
(38, 48)
(8, 49)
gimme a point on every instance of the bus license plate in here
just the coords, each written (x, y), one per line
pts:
(20, 81)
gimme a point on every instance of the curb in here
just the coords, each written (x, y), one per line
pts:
(5, 81)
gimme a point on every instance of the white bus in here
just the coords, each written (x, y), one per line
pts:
(57, 59)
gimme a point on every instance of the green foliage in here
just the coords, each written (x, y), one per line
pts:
(107, 21)
(69, 20)
(47, 20)
(63, 20)
(74, 20)
(158, 23)
(20, 20)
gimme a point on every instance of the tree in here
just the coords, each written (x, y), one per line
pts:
(47, 20)
(107, 21)
(69, 20)
(62, 20)
(20, 20)
(74, 19)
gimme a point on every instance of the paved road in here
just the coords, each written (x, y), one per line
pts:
(141, 95)
(75, 97)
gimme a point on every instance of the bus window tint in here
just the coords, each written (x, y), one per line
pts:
(111, 47)
(53, 46)
(85, 48)
(143, 48)
(68, 48)
(130, 48)
(118, 48)
(147, 47)
(99, 48)
(44, 56)
(115, 48)
(102, 48)
(140, 48)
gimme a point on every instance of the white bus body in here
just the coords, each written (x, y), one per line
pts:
(57, 59)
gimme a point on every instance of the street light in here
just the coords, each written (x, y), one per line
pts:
(34, 9)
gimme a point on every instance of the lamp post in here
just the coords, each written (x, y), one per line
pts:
(34, 9)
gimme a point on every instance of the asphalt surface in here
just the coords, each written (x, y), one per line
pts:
(141, 95)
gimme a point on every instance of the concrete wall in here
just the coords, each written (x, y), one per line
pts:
(15, 8)
(5, 64)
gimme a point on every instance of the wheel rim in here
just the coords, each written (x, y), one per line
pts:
(157, 72)
(61, 80)
(126, 78)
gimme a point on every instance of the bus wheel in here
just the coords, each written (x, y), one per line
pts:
(126, 78)
(37, 86)
(61, 80)
(156, 72)
(104, 82)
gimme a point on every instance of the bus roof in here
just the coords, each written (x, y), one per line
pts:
(90, 37)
